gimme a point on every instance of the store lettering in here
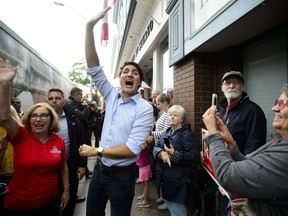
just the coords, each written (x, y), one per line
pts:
(143, 39)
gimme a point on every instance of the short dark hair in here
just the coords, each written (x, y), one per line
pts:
(15, 99)
(57, 90)
(75, 90)
(139, 69)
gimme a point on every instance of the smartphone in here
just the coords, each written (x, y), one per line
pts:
(214, 99)
(167, 142)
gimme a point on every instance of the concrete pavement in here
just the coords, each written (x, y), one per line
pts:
(80, 209)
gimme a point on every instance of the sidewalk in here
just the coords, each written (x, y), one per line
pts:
(80, 209)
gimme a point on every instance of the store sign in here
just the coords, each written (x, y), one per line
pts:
(144, 38)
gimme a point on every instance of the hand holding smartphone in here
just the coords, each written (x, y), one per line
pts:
(215, 102)
(214, 99)
(167, 142)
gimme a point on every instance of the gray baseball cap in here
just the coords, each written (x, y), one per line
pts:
(233, 73)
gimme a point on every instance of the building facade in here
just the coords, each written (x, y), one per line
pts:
(219, 36)
(200, 40)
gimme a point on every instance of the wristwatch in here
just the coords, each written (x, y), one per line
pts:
(100, 151)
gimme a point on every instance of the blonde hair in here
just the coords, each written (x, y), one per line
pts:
(54, 126)
(15, 115)
(165, 98)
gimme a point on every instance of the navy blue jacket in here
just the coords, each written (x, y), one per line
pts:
(175, 180)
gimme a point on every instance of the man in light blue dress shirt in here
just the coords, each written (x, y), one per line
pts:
(127, 124)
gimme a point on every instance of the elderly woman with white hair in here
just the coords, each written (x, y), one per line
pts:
(176, 152)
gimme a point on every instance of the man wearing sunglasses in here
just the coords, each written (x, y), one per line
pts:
(245, 119)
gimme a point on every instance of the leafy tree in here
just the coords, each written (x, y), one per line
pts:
(78, 73)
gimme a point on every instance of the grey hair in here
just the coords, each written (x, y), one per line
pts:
(178, 109)
(285, 89)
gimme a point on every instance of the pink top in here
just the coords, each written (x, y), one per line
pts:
(143, 159)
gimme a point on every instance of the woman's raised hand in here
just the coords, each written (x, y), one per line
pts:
(225, 133)
(209, 119)
(6, 72)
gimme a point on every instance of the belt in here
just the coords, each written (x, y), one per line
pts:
(114, 169)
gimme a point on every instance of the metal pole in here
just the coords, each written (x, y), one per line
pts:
(63, 5)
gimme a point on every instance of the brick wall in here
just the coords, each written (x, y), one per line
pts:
(193, 86)
(196, 78)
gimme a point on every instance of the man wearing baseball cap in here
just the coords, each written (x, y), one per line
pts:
(244, 118)
(236, 74)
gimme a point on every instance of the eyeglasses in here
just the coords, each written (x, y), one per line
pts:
(281, 104)
(42, 116)
(56, 98)
(235, 82)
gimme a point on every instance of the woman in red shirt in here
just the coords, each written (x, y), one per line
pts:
(39, 156)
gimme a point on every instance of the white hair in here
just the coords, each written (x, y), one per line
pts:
(178, 109)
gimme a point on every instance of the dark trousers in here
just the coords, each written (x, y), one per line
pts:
(224, 201)
(116, 187)
(95, 132)
(74, 182)
(51, 209)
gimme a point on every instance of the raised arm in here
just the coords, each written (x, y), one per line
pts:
(90, 49)
(7, 74)
(215, 125)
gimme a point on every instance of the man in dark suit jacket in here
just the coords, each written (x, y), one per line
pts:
(75, 107)
(72, 132)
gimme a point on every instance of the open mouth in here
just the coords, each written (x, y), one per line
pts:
(129, 83)
(39, 125)
(277, 117)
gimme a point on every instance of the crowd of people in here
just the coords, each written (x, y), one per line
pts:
(40, 162)
(44, 150)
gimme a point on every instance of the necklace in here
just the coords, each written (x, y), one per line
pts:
(44, 139)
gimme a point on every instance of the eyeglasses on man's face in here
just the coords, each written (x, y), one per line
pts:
(234, 82)
(281, 104)
(42, 116)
